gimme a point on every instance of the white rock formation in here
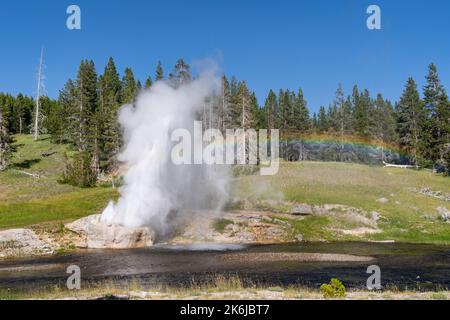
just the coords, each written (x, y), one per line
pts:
(96, 234)
(21, 242)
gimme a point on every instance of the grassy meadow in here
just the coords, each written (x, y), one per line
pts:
(405, 214)
(28, 200)
(31, 195)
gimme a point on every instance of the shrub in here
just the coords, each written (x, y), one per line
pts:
(79, 171)
(333, 290)
(220, 224)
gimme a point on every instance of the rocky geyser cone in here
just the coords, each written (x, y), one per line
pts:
(96, 234)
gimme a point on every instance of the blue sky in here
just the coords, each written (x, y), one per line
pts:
(270, 44)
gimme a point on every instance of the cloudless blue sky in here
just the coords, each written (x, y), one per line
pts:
(313, 44)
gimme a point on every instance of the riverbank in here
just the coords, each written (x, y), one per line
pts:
(243, 227)
(220, 289)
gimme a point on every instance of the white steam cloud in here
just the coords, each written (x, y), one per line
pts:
(155, 190)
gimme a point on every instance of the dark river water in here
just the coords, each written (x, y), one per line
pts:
(410, 266)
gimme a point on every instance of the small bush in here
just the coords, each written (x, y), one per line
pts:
(439, 296)
(221, 224)
(333, 290)
(79, 171)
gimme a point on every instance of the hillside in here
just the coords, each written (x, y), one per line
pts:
(27, 200)
(347, 201)
(396, 204)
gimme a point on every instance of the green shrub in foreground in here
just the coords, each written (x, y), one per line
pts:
(333, 290)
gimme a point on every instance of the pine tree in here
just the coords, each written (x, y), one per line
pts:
(361, 112)
(245, 106)
(128, 87)
(16, 111)
(180, 75)
(110, 140)
(443, 125)
(322, 120)
(343, 110)
(138, 86)
(384, 124)
(148, 83)
(224, 112)
(411, 116)
(259, 113)
(234, 105)
(255, 113)
(21, 115)
(86, 103)
(342, 113)
(270, 107)
(436, 127)
(50, 115)
(7, 103)
(284, 109)
(67, 113)
(334, 123)
(300, 113)
(6, 140)
(159, 72)
(314, 122)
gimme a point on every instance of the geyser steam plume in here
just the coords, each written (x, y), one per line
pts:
(154, 187)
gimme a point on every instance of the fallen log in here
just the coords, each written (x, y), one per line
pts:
(34, 175)
(404, 166)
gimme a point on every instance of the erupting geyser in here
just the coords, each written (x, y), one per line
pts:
(155, 189)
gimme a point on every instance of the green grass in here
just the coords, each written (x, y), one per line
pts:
(408, 216)
(27, 200)
(404, 215)
(220, 224)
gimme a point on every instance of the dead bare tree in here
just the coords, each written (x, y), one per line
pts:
(40, 84)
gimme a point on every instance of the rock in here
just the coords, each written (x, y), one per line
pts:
(302, 209)
(234, 228)
(435, 194)
(284, 223)
(273, 232)
(375, 215)
(21, 242)
(97, 234)
(299, 237)
(445, 213)
(382, 200)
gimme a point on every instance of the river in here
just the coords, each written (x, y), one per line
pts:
(405, 266)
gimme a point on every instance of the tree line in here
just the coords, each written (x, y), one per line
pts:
(85, 116)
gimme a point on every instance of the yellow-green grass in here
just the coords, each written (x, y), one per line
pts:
(220, 287)
(30, 193)
(407, 215)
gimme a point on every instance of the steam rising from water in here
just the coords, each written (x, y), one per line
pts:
(154, 188)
